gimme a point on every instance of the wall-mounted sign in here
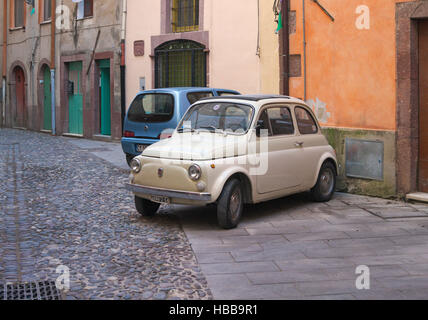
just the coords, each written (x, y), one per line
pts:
(139, 48)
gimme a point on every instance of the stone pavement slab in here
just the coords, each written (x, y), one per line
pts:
(292, 248)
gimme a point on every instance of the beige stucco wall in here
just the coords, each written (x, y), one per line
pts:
(233, 59)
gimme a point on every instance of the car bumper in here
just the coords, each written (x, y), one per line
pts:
(129, 145)
(173, 194)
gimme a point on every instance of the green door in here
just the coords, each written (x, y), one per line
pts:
(47, 110)
(104, 66)
(75, 99)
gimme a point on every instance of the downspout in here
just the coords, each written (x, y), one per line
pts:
(53, 100)
(4, 61)
(285, 59)
(122, 64)
(304, 51)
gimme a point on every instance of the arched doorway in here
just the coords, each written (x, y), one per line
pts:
(47, 104)
(180, 63)
(19, 119)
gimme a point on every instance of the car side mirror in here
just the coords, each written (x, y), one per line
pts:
(259, 127)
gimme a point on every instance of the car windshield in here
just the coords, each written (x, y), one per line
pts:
(217, 116)
(152, 107)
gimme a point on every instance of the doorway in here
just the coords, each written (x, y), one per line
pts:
(105, 100)
(19, 118)
(47, 109)
(75, 98)
(423, 106)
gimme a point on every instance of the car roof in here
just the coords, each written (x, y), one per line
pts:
(260, 99)
(185, 89)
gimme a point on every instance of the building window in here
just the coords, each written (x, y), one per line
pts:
(85, 9)
(18, 13)
(185, 15)
(180, 63)
(45, 10)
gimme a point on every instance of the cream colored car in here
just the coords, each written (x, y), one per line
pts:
(235, 150)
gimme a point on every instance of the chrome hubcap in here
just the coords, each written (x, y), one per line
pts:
(235, 202)
(326, 182)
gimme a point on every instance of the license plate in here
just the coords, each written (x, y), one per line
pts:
(141, 147)
(160, 199)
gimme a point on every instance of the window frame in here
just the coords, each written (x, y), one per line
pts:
(198, 92)
(81, 12)
(157, 118)
(165, 56)
(312, 117)
(290, 109)
(12, 20)
(42, 12)
(291, 118)
(175, 11)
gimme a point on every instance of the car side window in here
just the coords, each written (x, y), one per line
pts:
(264, 121)
(281, 121)
(196, 96)
(305, 121)
(226, 93)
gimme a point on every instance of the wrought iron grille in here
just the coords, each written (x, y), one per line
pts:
(180, 63)
(44, 290)
(185, 15)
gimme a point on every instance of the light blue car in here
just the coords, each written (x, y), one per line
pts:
(156, 112)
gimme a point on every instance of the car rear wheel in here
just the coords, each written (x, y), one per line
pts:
(146, 207)
(326, 184)
(230, 205)
(129, 158)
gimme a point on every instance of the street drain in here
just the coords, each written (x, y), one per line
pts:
(45, 290)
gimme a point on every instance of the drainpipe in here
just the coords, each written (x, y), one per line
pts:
(304, 50)
(53, 30)
(285, 60)
(122, 64)
(4, 62)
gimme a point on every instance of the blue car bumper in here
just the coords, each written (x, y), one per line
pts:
(129, 145)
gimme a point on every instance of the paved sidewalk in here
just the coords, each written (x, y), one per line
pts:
(292, 248)
(109, 151)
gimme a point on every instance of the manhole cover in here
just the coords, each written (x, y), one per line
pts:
(45, 290)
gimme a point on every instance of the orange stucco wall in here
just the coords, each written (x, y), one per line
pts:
(351, 73)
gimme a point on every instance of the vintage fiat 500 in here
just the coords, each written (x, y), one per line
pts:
(235, 150)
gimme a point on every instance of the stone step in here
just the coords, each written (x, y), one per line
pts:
(418, 196)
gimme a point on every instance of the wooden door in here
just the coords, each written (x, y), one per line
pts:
(20, 98)
(105, 92)
(47, 110)
(75, 99)
(423, 106)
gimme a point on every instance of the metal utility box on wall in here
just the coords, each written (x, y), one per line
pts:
(364, 159)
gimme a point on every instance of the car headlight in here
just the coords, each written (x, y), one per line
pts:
(135, 165)
(195, 172)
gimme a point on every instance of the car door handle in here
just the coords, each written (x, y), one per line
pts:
(299, 143)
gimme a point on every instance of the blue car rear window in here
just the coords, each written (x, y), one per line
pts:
(152, 107)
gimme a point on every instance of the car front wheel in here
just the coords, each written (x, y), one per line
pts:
(230, 205)
(326, 183)
(146, 207)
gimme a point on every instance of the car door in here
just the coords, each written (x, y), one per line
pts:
(310, 142)
(283, 155)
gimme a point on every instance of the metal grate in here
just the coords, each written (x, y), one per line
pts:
(44, 290)
(180, 63)
(185, 15)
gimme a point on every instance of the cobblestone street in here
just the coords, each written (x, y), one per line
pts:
(61, 203)
(62, 206)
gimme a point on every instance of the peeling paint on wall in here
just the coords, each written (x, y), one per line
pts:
(320, 110)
